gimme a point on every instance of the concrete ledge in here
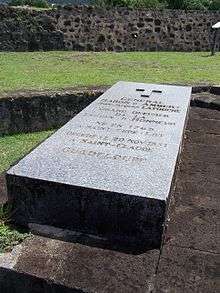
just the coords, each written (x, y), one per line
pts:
(215, 90)
(37, 111)
(31, 111)
(206, 100)
(132, 221)
(185, 270)
(41, 265)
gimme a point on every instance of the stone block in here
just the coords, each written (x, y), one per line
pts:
(42, 265)
(109, 170)
(186, 270)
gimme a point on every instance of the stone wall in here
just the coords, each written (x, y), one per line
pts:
(36, 111)
(89, 28)
(26, 30)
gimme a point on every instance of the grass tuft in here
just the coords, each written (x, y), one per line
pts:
(9, 235)
(5, 213)
(12, 148)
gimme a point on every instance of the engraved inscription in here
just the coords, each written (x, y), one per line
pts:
(121, 121)
(127, 141)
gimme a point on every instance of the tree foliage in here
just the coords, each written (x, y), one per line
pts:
(131, 3)
(214, 5)
(159, 4)
(193, 4)
(33, 3)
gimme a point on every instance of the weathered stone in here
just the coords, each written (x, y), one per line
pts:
(191, 170)
(202, 138)
(205, 125)
(202, 113)
(193, 221)
(46, 265)
(49, 29)
(3, 190)
(109, 170)
(25, 30)
(201, 188)
(216, 103)
(28, 111)
(195, 203)
(200, 153)
(90, 269)
(35, 111)
(188, 28)
(186, 270)
(216, 90)
(204, 199)
(206, 100)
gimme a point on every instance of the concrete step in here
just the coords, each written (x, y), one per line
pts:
(41, 265)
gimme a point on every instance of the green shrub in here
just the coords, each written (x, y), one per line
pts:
(158, 4)
(131, 3)
(194, 4)
(39, 3)
(16, 3)
(33, 3)
(150, 3)
(214, 5)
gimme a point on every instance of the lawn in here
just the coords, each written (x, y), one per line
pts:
(14, 147)
(57, 70)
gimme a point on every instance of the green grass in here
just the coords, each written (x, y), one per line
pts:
(16, 146)
(9, 235)
(13, 148)
(57, 70)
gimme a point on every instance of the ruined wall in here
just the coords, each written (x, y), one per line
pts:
(27, 30)
(36, 111)
(88, 28)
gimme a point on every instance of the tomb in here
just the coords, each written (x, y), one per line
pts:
(109, 170)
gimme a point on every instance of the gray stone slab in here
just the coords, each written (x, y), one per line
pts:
(110, 166)
(209, 126)
(201, 153)
(202, 138)
(41, 264)
(194, 222)
(203, 113)
(182, 270)
(118, 143)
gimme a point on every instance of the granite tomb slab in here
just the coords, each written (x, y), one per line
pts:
(109, 170)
